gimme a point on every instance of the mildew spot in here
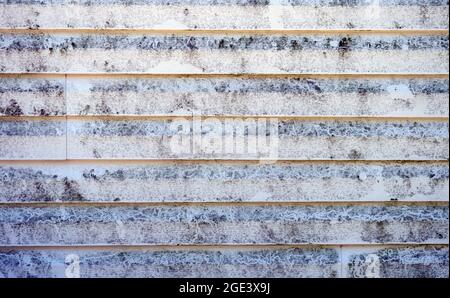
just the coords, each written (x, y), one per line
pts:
(13, 109)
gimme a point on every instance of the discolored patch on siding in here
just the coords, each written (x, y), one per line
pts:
(225, 182)
(222, 54)
(32, 97)
(403, 262)
(239, 2)
(35, 139)
(297, 139)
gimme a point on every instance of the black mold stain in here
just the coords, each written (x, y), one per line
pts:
(315, 86)
(363, 129)
(437, 173)
(13, 109)
(86, 110)
(424, 14)
(397, 25)
(90, 175)
(191, 44)
(96, 154)
(108, 67)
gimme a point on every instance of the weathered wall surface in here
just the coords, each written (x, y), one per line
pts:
(90, 90)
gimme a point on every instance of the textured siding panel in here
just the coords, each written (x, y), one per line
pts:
(222, 54)
(258, 96)
(227, 14)
(407, 262)
(32, 97)
(36, 139)
(223, 182)
(28, 96)
(323, 224)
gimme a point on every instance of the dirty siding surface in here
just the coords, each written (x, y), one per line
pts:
(219, 53)
(90, 92)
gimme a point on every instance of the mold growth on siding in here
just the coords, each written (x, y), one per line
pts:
(39, 186)
(39, 42)
(407, 262)
(13, 109)
(239, 2)
(320, 262)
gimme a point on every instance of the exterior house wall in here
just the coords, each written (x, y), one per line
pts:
(356, 93)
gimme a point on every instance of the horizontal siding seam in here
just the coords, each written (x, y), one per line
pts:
(175, 31)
